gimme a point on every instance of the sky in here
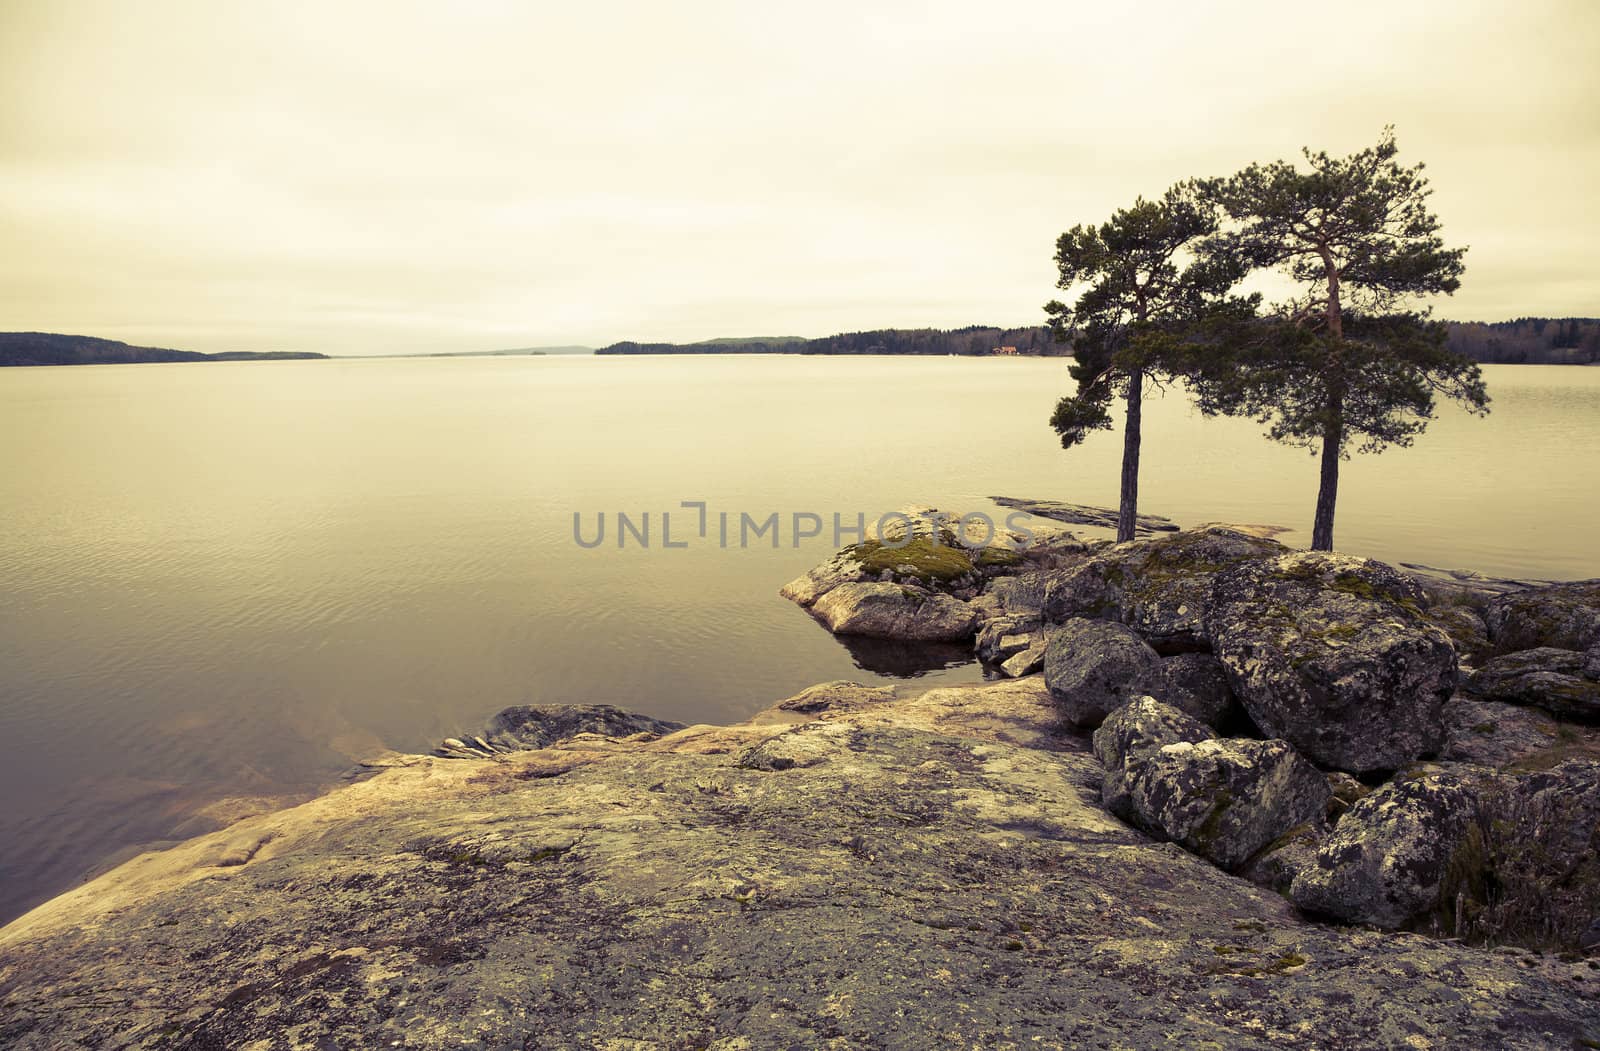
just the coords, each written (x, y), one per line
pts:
(394, 177)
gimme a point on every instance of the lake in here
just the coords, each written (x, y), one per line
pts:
(221, 582)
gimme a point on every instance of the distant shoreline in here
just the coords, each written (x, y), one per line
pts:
(38, 349)
(1522, 341)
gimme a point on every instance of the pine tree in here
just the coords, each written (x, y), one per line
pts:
(1351, 363)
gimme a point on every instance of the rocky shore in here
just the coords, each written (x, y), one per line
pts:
(1220, 795)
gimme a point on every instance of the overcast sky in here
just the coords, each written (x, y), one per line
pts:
(367, 177)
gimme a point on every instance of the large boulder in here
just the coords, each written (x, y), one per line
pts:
(1198, 684)
(1223, 799)
(1561, 616)
(1159, 587)
(1094, 667)
(1394, 855)
(1564, 683)
(1142, 725)
(895, 611)
(1332, 654)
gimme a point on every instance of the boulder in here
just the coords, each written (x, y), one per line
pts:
(1491, 733)
(1464, 625)
(1021, 593)
(1144, 724)
(1223, 799)
(1027, 661)
(528, 727)
(1561, 616)
(1332, 654)
(1545, 858)
(1158, 587)
(1085, 514)
(1198, 684)
(842, 568)
(895, 611)
(1095, 667)
(838, 695)
(1392, 856)
(1004, 635)
(1562, 682)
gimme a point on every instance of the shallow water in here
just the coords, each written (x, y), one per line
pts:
(228, 580)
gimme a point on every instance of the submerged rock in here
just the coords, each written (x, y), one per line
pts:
(1564, 683)
(1331, 654)
(1094, 667)
(1389, 860)
(895, 611)
(531, 726)
(1560, 616)
(1160, 588)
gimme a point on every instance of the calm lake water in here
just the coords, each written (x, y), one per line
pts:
(233, 580)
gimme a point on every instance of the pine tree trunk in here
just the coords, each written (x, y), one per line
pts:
(1128, 509)
(1328, 490)
(1333, 426)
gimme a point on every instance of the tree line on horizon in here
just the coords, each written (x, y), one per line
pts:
(969, 341)
(1523, 341)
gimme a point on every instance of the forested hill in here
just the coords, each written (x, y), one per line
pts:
(1529, 341)
(48, 348)
(973, 340)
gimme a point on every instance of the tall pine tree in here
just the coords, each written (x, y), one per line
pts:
(1352, 362)
(1140, 285)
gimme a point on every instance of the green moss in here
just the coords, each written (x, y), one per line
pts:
(994, 555)
(931, 562)
(1551, 757)
(546, 853)
(1486, 728)
(1250, 968)
(1211, 827)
